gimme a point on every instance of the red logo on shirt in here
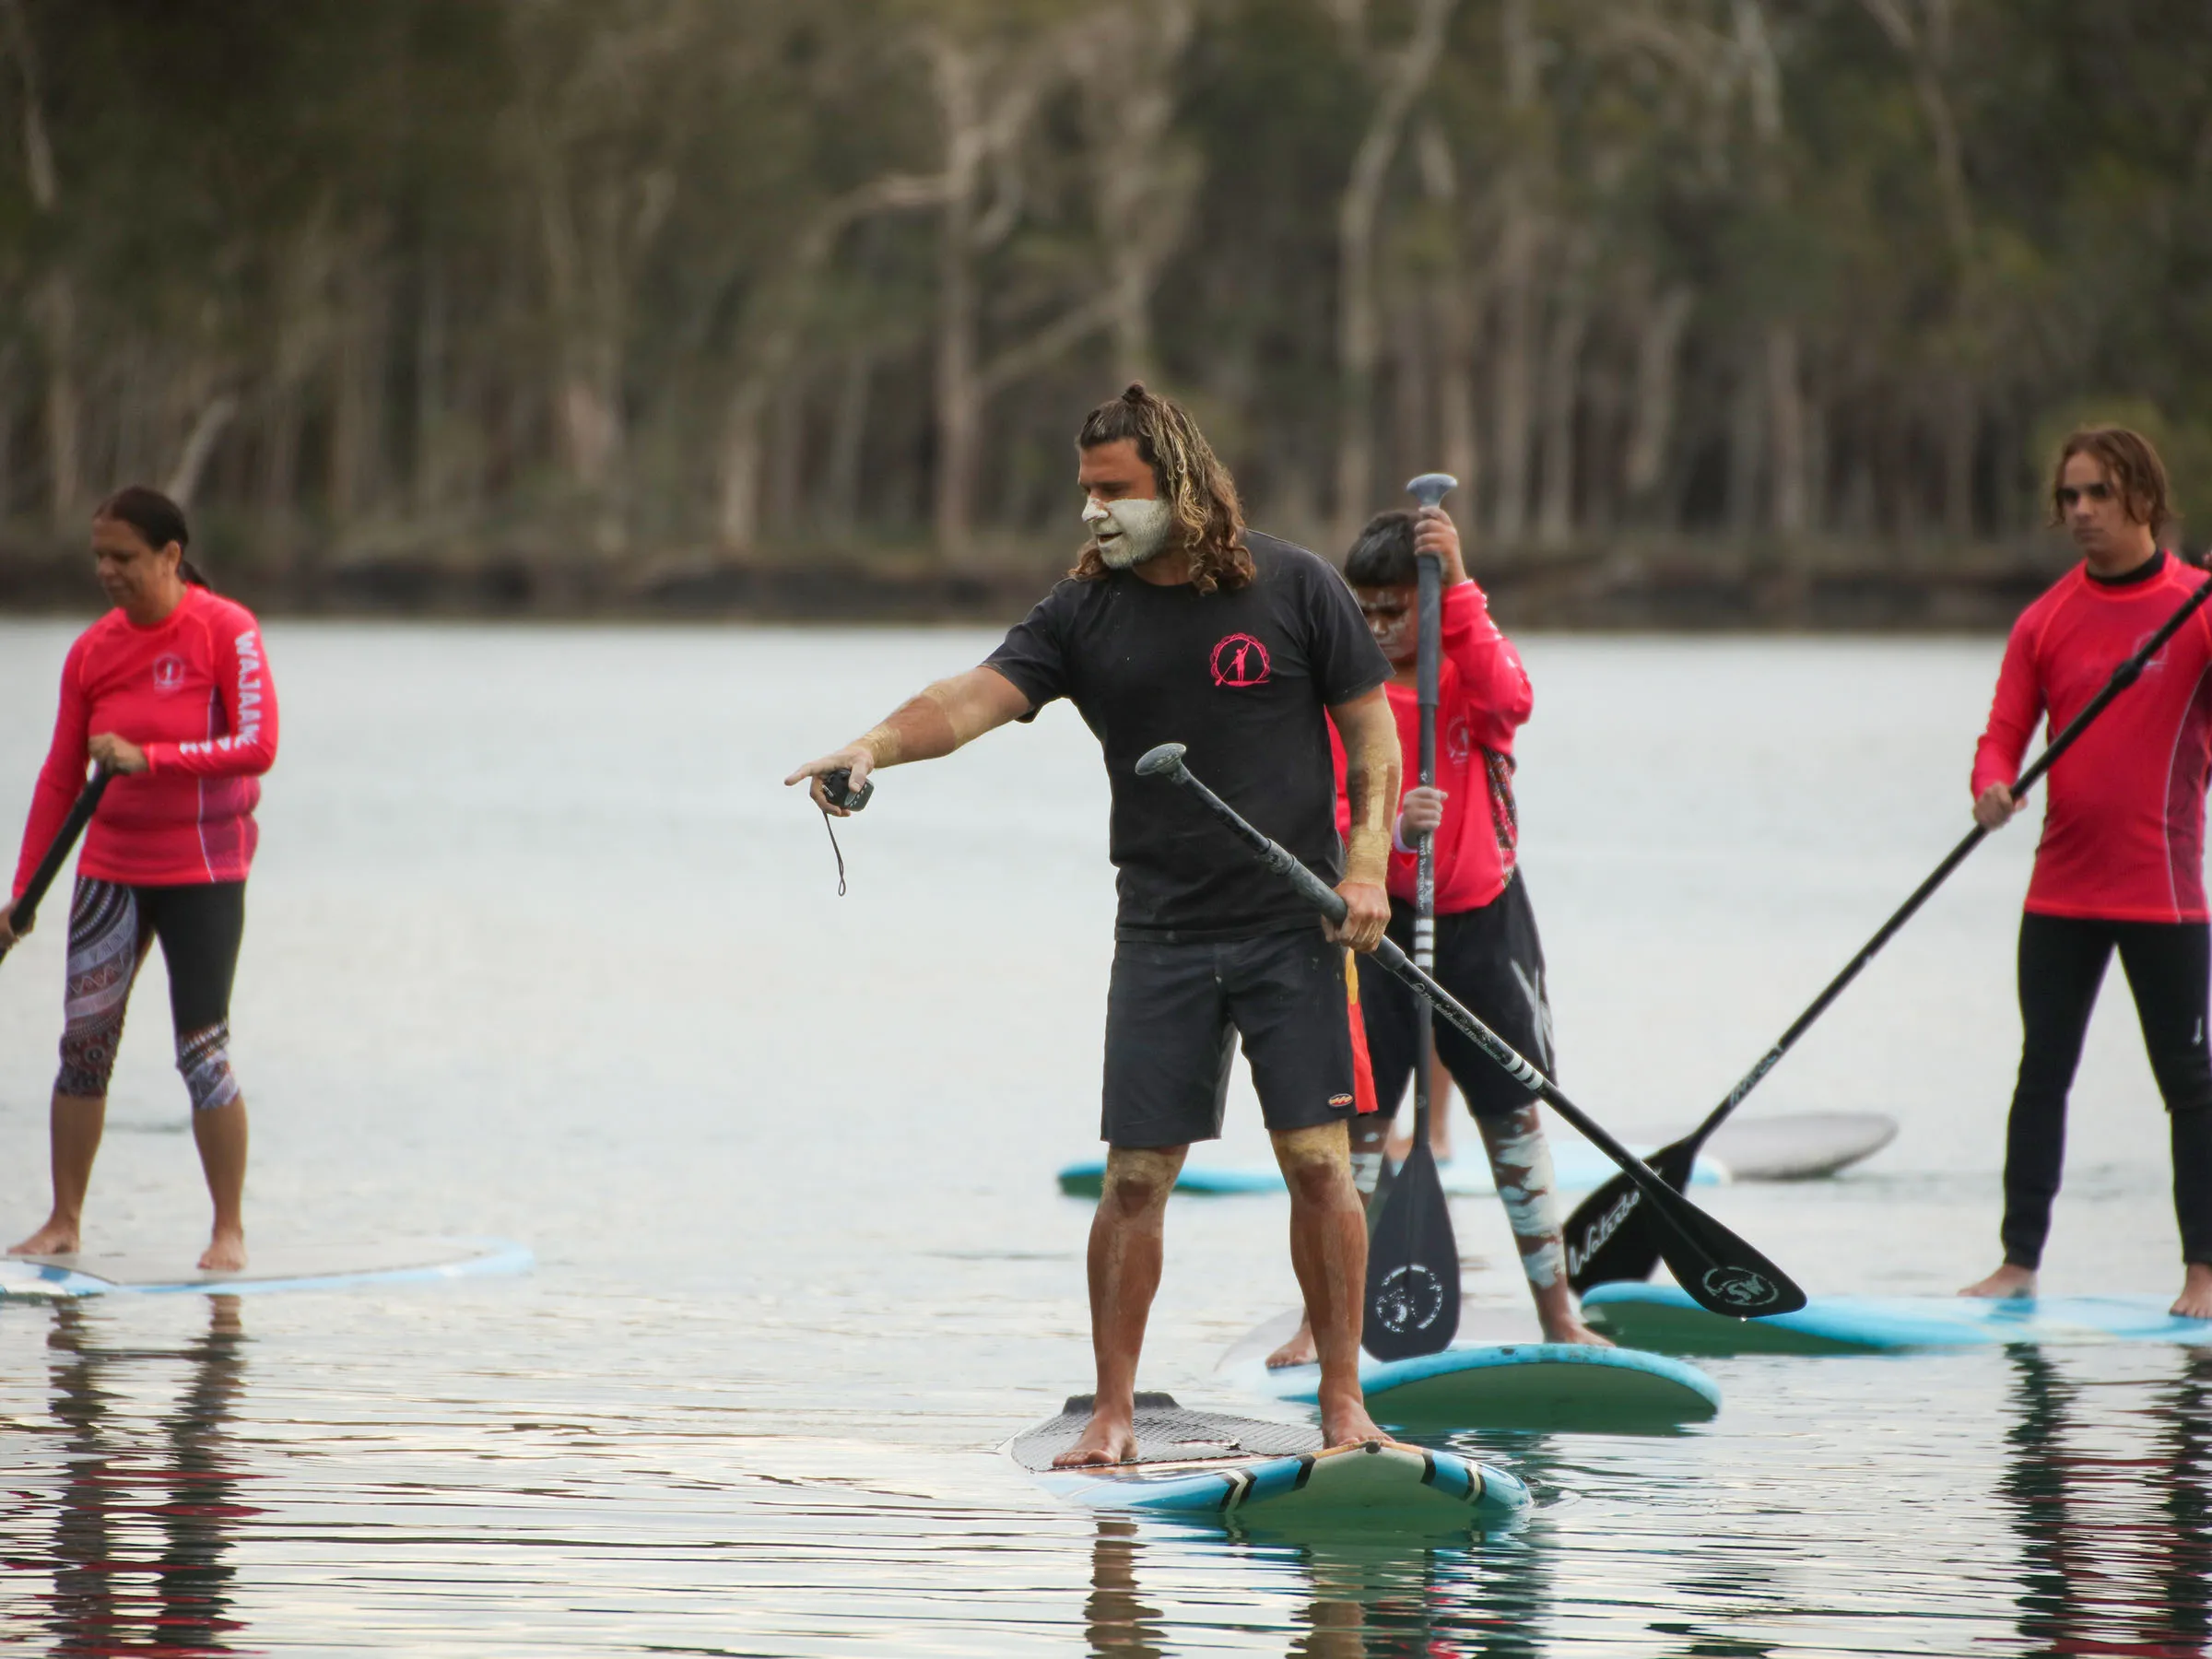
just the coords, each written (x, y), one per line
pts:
(1241, 660)
(169, 673)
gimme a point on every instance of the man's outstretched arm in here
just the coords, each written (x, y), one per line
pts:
(947, 714)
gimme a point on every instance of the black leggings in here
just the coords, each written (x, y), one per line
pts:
(2169, 967)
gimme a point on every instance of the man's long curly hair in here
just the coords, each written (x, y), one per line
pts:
(1208, 520)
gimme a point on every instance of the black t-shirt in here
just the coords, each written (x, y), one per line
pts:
(1245, 678)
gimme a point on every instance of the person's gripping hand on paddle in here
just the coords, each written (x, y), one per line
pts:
(117, 753)
(1372, 763)
(1997, 806)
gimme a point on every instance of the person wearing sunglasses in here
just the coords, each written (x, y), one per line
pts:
(2121, 863)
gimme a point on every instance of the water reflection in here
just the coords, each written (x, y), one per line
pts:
(144, 1524)
(2116, 1527)
(1458, 1596)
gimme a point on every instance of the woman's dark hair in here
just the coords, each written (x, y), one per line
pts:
(157, 520)
(2130, 463)
(1208, 518)
(1382, 557)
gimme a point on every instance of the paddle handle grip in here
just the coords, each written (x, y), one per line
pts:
(26, 909)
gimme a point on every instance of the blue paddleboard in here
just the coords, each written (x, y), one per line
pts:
(1661, 1316)
(295, 1267)
(1201, 1466)
(1796, 1147)
(1576, 1167)
(1511, 1386)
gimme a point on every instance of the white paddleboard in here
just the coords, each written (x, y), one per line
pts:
(1203, 1465)
(277, 1267)
(1662, 1316)
(1477, 1384)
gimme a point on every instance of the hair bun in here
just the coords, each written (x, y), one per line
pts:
(1135, 392)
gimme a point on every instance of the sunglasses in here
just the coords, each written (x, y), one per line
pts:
(2069, 495)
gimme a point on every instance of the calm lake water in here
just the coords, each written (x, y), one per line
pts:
(539, 947)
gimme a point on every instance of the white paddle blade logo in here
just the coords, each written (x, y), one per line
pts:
(1409, 1298)
(1741, 1288)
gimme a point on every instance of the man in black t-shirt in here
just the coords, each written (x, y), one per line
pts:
(1181, 626)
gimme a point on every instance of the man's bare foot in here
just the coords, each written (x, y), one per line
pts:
(56, 1238)
(2005, 1283)
(1299, 1350)
(1104, 1441)
(1346, 1423)
(1574, 1331)
(226, 1253)
(2195, 1299)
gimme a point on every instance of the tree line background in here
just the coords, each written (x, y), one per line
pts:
(620, 294)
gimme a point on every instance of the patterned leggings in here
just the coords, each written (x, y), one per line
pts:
(112, 927)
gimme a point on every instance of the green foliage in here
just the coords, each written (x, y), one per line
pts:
(636, 278)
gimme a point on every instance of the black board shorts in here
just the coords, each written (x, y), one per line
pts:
(1173, 1014)
(1491, 958)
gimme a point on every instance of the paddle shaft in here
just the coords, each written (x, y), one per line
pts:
(1429, 651)
(26, 909)
(1767, 1289)
(2122, 676)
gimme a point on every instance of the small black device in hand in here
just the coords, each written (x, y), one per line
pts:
(836, 789)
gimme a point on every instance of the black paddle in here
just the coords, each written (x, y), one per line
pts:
(26, 909)
(1412, 1256)
(1607, 1237)
(1719, 1270)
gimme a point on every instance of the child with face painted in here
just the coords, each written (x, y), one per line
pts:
(1487, 951)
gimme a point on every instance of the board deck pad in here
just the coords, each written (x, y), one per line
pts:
(1797, 1147)
(1662, 1316)
(274, 1267)
(1168, 1433)
(1215, 1469)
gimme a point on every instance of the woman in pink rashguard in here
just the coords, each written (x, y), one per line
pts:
(170, 691)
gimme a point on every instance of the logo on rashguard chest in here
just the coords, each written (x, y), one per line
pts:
(1241, 660)
(169, 674)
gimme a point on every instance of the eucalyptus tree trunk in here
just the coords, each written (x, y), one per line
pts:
(1652, 419)
(1519, 233)
(1562, 385)
(1402, 76)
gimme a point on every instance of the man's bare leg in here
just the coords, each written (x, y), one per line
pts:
(2195, 1299)
(1125, 1245)
(74, 1126)
(1328, 1249)
(1520, 1166)
(220, 1134)
(2006, 1283)
(1369, 1132)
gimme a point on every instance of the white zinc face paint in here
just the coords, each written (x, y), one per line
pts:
(1127, 532)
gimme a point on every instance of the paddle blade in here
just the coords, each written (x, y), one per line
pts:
(1612, 1234)
(1722, 1274)
(1412, 1265)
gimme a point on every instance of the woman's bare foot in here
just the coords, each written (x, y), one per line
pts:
(1299, 1350)
(226, 1252)
(56, 1238)
(2195, 1299)
(1346, 1423)
(1104, 1441)
(2005, 1283)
